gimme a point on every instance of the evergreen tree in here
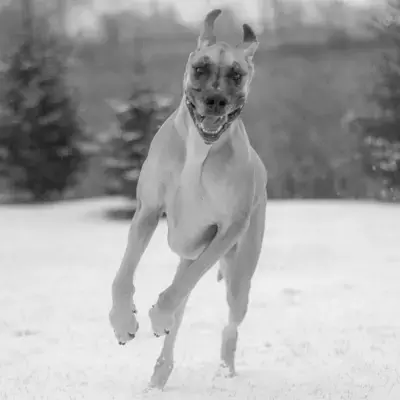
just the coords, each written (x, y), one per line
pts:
(381, 130)
(41, 136)
(126, 146)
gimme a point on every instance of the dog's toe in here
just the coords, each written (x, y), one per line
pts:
(165, 332)
(162, 322)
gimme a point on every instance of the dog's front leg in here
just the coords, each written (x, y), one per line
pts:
(162, 314)
(122, 316)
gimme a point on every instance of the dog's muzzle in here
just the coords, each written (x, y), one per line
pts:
(211, 128)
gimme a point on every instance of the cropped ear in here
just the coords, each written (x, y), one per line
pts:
(207, 37)
(250, 42)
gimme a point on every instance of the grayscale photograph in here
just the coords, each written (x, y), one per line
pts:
(199, 199)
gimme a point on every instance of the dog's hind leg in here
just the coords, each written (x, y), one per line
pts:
(165, 362)
(238, 267)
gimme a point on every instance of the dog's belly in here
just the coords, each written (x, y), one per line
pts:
(190, 224)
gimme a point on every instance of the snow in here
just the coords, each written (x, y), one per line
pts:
(323, 322)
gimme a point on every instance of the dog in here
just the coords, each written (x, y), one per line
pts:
(202, 172)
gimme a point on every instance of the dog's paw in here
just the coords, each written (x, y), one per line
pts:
(226, 370)
(124, 323)
(161, 321)
(161, 374)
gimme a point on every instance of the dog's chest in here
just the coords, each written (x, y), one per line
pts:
(196, 202)
(197, 196)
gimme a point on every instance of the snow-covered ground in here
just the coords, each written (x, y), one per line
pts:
(323, 323)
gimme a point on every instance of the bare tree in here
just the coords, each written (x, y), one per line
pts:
(61, 14)
(270, 11)
(27, 17)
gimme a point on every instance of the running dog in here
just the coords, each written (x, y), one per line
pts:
(202, 172)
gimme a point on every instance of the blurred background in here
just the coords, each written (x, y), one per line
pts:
(84, 85)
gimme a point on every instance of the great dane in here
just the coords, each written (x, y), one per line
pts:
(203, 173)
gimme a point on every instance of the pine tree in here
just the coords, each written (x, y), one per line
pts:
(381, 130)
(126, 147)
(41, 135)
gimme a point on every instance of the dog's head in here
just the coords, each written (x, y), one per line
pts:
(217, 79)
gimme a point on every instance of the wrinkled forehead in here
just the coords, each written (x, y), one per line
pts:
(221, 54)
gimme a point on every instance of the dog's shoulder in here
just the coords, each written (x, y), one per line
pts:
(166, 148)
(155, 169)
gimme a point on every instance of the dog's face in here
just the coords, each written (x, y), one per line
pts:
(217, 79)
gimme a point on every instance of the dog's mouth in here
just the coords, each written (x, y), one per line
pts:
(211, 127)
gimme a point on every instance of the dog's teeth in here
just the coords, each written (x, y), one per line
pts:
(210, 131)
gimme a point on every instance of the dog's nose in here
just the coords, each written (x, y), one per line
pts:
(216, 103)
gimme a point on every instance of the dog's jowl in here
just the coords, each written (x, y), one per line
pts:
(203, 173)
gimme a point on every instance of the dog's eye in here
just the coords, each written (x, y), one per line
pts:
(237, 78)
(199, 71)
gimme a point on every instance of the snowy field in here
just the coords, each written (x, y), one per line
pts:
(323, 323)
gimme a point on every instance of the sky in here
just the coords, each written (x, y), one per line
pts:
(194, 10)
(190, 11)
(87, 18)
